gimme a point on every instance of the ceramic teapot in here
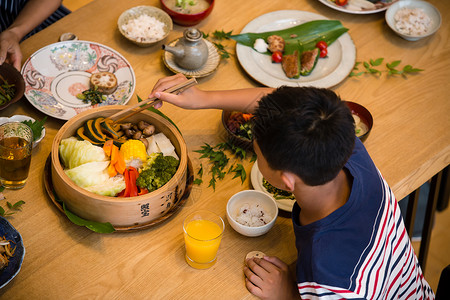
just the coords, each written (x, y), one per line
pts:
(190, 52)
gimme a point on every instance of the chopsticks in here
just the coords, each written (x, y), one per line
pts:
(151, 101)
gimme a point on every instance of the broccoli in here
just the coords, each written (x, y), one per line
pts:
(158, 172)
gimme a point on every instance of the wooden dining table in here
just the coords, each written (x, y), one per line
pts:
(409, 143)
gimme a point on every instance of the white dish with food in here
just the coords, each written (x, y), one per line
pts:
(251, 212)
(21, 118)
(413, 19)
(57, 73)
(256, 179)
(328, 72)
(360, 7)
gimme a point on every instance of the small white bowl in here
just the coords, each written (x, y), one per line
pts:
(428, 9)
(251, 197)
(151, 11)
(20, 118)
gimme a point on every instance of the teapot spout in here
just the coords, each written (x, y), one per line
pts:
(177, 51)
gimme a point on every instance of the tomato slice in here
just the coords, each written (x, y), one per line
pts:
(321, 45)
(277, 56)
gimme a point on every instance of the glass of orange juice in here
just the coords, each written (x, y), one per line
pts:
(203, 232)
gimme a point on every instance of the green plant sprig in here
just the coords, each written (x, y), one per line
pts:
(11, 208)
(216, 38)
(218, 161)
(370, 67)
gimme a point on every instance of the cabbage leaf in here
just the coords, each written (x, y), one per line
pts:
(74, 153)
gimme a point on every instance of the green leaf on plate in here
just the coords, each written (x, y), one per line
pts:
(304, 36)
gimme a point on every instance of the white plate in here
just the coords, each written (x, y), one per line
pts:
(328, 72)
(382, 6)
(20, 118)
(55, 74)
(256, 179)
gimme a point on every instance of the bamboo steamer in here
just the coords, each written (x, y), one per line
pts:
(122, 212)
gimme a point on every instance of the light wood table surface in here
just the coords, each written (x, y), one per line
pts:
(410, 142)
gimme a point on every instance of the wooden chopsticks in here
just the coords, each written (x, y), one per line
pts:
(151, 101)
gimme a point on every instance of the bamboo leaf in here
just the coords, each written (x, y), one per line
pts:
(94, 226)
(305, 35)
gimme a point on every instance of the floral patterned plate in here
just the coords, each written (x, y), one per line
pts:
(55, 74)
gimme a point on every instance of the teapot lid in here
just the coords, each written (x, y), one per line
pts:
(192, 34)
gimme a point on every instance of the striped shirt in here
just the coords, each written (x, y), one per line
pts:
(361, 250)
(10, 9)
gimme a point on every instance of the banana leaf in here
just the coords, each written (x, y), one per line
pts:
(304, 36)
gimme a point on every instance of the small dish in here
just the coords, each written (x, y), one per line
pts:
(15, 262)
(235, 139)
(364, 116)
(256, 178)
(12, 76)
(427, 8)
(185, 19)
(20, 118)
(250, 198)
(134, 13)
(208, 68)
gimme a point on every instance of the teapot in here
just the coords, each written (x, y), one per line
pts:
(190, 51)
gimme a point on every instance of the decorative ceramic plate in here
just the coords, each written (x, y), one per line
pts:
(256, 179)
(48, 184)
(208, 68)
(15, 262)
(328, 72)
(55, 74)
(20, 118)
(381, 5)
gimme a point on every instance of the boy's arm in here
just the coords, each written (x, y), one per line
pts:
(270, 278)
(244, 100)
(33, 14)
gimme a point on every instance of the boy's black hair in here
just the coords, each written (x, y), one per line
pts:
(307, 131)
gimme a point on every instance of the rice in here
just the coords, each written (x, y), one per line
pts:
(260, 45)
(253, 215)
(412, 21)
(144, 29)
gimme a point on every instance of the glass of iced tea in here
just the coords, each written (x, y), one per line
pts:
(16, 144)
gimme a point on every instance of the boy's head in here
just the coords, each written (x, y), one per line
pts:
(307, 131)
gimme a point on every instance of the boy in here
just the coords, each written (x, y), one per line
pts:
(350, 235)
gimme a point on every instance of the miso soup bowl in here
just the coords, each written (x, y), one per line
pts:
(187, 19)
(119, 211)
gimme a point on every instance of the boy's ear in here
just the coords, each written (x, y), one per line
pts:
(289, 181)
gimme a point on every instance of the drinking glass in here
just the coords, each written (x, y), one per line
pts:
(16, 144)
(203, 232)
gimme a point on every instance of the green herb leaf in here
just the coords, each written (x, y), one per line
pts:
(240, 172)
(18, 204)
(2, 188)
(36, 127)
(376, 62)
(2, 211)
(197, 181)
(222, 35)
(94, 226)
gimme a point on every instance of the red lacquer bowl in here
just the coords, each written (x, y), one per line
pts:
(363, 114)
(187, 19)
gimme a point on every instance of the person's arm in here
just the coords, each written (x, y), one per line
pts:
(31, 16)
(244, 100)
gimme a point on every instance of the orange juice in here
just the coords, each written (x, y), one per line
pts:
(202, 239)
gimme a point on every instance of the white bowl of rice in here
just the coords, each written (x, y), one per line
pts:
(413, 19)
(145, 25)
(252, 212)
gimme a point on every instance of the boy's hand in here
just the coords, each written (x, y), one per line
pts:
(269, 278)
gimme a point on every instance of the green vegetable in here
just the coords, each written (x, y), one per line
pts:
(7, 91)
(74, 153)
(92, 225)
(92, 96)
(277, 193)
(304, 36)
(36, 127)
(159, 169)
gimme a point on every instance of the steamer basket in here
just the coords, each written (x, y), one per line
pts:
(119, 211)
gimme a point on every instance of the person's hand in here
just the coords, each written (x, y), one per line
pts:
(10, 49)
(189, 99)
(269, 278)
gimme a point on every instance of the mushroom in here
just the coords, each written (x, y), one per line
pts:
(149, 130)
(125, 126)
(142, 125)
(129, 132)
(145, 141)
(137, 135)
